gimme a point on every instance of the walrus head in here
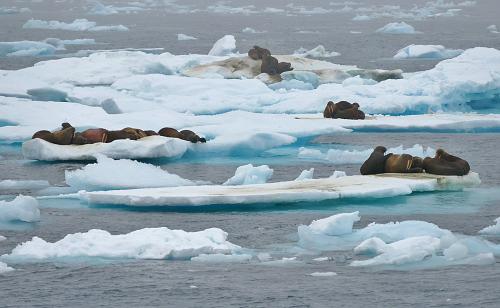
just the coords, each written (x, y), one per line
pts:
(355, 105)
(380, 149)
(439, 153)
(66, 125)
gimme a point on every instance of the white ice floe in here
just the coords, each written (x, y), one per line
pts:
(224, 46)
(406, 244)
(427, 52)
(97, 8)
(4, 268)
(148, 147)
(251, 30)
(492, 230)
(222, 258)
(148, 243)
(184, 37)
(323, 274)
(76, 25)
(305, 175)
(22, 208)
(23, 184)
(248, 174)
(317, 52)
(397, 28)
(492, 29)
(380, 186)
(2, 238)
(38, 48)
(338, 156)
(13, 10)
(108, 173)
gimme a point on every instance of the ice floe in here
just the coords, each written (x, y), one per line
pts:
(148, 243)
(492, 29)
(248, 174)
(305, 175)
(380, 186)
(323, 274)
(108, 173)
(251, 30)
(76, 25)
(492, 230)
(22, 208)
(427, 52)
(224, 46)
(222, 258)
(148, 147)
(397, 28)
(23, 184)
(38, 48)
(317, 52)
(406, 244)
(184, 37)
(4, 268)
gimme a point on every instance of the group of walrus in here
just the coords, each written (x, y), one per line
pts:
(441, 164)
(343, 110)
(270, 64)
(68, 135)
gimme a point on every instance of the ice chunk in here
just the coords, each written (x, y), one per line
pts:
(109, 105)
(397, 28)
(23, 184)
(22, 208)
(323, 274)
(222, 258)
(76, 25)
(427, 52)
(492, 29)
(317, 52)
(108, 173)
(337, 174)
(26, 48)
(304, 76)
(184, 37)
(335, 225)
(48, 94)
(147, 243)
(305, 175)
(4, 268)
(2, 238)
(251, 30)
(148, 147)
(224, 46)
(492, 230)
(248, 174)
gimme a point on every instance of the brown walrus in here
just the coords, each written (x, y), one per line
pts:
(284, 67)
(126, 133)
(404, 163)
(90, 136)
(257, 53)
(169, 132)
(187, 135)
(375, 164)
(61, 137)
(269, 65)
(151, 133)
(446, 164)
(343, 110)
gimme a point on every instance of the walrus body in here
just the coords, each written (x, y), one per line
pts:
(169, 132)
(126, 133)
(257, 53)
(61, 137)
(269, 65)
(284, 67)
(343, 110)
(403, 163)
(375, 164)
(187, 135)
(446, 164)
(90, 136)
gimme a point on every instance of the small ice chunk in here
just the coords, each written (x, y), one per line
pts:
(397, 28)
(305, 175)
(317, 52)
(361, 18)
(76, 25)
(323, 274)
(2, 238)
(337, 174)
(304, 76)
(264, 256)
(23, 184)
(222, 258)
(26, 48)
(184, 37)
(492, 29)
(48, 94)
(108, 173)
(4, 268)
(248, 174)
(335, 225)
(251, 30)
(109, 105)
(492, 230)
(224, 46)
(22, 208)
(456, 251)
(427, 52)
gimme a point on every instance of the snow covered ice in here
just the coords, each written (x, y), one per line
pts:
(22, 208)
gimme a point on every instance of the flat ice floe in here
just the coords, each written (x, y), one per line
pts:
(148, 147)
(38, 48)
(427, 52)
(406, 244)
(387, 185)
(149, 243)
(492, 230)
(23, 184)
(77, 25)
(22, 208)
(397, 28)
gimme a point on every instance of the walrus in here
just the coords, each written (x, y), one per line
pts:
(191, 136)
(125, 133)
(150, 133)
(284, 67)
(169, 132)
(269, 65)
(257, 53)
(446, 164)
(404, 163)
(61, 137)
(91, 136)
(329, 110)
(375, 164)
(352, 113)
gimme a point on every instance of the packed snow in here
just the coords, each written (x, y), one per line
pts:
(248, 174)
(108, 173)
(148, 243)
(492, 230)
(406, 244)
(224, 46)
(184, 37)
(357, 186)
(76, 25)
(427, 52)
(317, 52)
(23, 184)
(338, 156)
(22, 208)
(305, 175)
(397, 28)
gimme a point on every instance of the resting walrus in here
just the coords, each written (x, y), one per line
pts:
(343, 110)
(61, 137)
(183, 134)
(126, 133)
(375, 164)
(404, 163)
(257, 53)
(90, 136)
(446, 164)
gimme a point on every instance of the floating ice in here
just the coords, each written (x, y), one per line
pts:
(380, 186)
(397, 28)
(323, 274)
(13, 10)
(148, 243)
(108, 173)
(492, 28)
(492, 230)
(222, 258)
(305, 175)
(317, 52)
(248, 174)
(251, 30)
(361, 18)
(22, 208)
(184, 37)
(26, 48)
(2, 238)
(76, 25)
(23, 184)
(148, 147)
(306, 77)
(337, 174)
(427, 52)
(335, 225)
(224, 46)
(4, 268)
